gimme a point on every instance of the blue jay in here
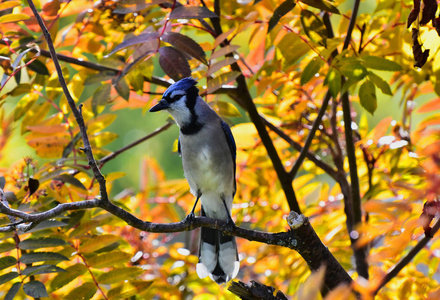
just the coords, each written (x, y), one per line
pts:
(208, 155)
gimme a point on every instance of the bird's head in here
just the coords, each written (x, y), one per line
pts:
(179, 100)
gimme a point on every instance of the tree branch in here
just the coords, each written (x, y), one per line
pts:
(310, 137)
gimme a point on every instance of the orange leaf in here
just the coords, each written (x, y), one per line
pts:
(430, 106)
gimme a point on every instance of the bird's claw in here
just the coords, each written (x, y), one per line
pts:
(189, 218)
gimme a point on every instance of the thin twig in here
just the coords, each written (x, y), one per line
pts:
(76, 112)
(135, 143)
(407, 258)
(310, 137)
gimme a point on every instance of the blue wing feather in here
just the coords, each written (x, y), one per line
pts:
(232, 146)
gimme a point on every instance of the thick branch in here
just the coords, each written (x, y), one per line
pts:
(301, 238)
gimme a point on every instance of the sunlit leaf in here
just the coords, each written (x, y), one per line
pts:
(292, 48)
(380, 83)
(98, 242)
(380, 63)
(24, 105)
(100, 122)
(123, 89)
(119, 274)
(9, 4)
(135, 288)
(225, 109)
(191, 12)
(174, 63)
(367, 96)
(83, 292)
(218, 65)
(314, 27)
(333, 80)
(109, 259)
(101, 97)
(323, 5)
(12, 18)
(51, 8)
(71, 273)
(126, 7)
(353, 69)
(185, 44)
(224, 51)
(311, 70)
(218, 81)
(430, 106)
(279, 12)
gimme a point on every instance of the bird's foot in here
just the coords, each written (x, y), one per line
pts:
(189, 218)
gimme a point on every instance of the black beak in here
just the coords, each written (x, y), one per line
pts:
(162, 104)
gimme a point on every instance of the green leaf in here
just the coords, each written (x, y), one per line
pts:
(123, 89)
(5, 247)
(119, 275)
(380, 63)
(83, 292)
(127, 291)
(323, 5)
(31, 244)
(109, 259)
(23, 88)
(333, 80)
(311, 69)
(314, 27)
(292, 48)
(64, 278)
(280, 12)
(35, 289)
(353, 69)
(38, 67)
(101, 97)
(10, 295)
(8, 277)
(101, 76)
(94, 243)
(174, 63)
(66, 178)
(380, 83)
(225, 109)
(7, 261)
(42, 269)
(367, 96)
(185, 44)
(29, 258)
(24, 105)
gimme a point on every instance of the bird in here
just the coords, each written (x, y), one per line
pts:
(208, 152)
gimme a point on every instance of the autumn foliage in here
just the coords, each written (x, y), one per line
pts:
(334, 106)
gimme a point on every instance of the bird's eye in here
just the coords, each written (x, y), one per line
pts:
(177, 97)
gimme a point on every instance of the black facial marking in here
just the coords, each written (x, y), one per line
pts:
(193, 126)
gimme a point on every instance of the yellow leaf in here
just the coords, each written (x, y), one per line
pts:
(10, 18)
(245, 135)
(49, 146)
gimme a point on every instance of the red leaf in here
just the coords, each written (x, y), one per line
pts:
(420, 56)
(428, 13)
(185, 44)
(174, 63)
(192, 12)
(414, 13)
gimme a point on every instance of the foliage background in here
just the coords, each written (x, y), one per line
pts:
(94, 255)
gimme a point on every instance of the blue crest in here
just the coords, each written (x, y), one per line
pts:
(183, 84)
